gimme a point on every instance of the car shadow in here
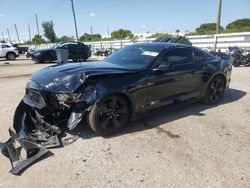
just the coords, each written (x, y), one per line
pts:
(164, 115)
(17, 59)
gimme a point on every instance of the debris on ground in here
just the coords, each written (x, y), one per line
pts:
(32, 140)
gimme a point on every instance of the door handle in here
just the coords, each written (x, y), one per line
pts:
(150, 83)
(204, 66)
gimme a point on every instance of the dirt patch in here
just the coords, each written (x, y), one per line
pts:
(168, 133)
(160, 130)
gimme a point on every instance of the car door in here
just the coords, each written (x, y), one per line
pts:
(200, 63)
(73, 51)
(4, 50)
(172, 77)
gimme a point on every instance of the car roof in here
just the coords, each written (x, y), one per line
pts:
(161, 44)
(70, 42)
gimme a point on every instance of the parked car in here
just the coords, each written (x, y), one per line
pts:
(126, 85)
(9, 52)
(77, 52)
(21, 49)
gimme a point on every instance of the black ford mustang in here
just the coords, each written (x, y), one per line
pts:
(128, 83)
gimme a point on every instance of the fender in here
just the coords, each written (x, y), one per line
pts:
(129, 99)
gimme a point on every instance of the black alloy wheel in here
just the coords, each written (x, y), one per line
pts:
(215, 90)
(109, 116)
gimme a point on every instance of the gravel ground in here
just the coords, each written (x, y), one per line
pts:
(195, 146)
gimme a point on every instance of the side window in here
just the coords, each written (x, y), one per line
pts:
(82, 45)
(200, 57)
(73, 46)
(64, 46)
(176, 57)
(5, 46)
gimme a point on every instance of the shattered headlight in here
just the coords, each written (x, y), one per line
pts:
(88, 95)
(68, 98)
(66, 83)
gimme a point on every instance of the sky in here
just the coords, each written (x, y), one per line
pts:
(139, 16)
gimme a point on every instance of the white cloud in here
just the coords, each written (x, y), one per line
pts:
(143, 26)
(159, 28)
(92, 14)
(1, 15)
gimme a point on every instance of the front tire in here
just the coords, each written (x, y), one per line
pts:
(109, 116)
(214, 90)
(11, 56)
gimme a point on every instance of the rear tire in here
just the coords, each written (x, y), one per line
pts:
(82, 58)
(28, 55)
(109, 116)
(11, 56)
(214, 90)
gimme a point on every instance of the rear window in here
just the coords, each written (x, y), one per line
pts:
(200, 56)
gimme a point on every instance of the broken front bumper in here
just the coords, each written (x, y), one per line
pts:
(34, 135)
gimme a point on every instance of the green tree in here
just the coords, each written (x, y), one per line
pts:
(49, 32)
(135, 38)
(207, 28)
(239, 25)
(27, 42)
(87, 37)
(38, 40)
(122, 34)
(65, 38)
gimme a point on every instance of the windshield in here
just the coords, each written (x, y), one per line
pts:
(135, 57)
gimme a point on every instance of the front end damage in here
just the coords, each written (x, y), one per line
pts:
(41, 121)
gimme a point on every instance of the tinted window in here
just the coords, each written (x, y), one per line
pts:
(178, 56)
(135, 57)
(73, 46)
(200, 56)
(64, 46)
(5, 46)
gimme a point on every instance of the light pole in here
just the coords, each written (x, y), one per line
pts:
(29, 34)
(2, 36)
(37, 26)
(17, 34)
(9, 35)
(74, 16)
(218, 17)
(91, 32)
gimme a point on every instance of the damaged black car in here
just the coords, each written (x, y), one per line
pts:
(127, 84)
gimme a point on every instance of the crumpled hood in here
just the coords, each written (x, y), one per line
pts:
(47, 75)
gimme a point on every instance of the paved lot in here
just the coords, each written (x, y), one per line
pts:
(195, 146)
